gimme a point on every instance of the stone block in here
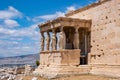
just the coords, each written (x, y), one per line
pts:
(64, 56)
(74, 57)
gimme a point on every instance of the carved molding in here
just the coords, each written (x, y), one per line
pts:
(65, 22)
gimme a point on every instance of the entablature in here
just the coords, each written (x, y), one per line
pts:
(64, 22)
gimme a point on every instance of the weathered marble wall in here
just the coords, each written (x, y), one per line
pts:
(62, 57)
(105, 32)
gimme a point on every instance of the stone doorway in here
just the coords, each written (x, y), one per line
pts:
(84, 45)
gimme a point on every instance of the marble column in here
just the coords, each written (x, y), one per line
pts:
(42, 41)
(62, 39)
(54, 41)
(76, 39)
(47, 41)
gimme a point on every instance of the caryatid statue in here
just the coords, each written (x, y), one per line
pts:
(61, 40)
(76, 39)
(47, 41)
(42, 42)
(53, 44)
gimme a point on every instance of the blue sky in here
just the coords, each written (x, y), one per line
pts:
(19, 34)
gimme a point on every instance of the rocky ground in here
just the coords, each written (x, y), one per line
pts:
(24, 73)
(16, 73)
(80, 77)
(7, 74)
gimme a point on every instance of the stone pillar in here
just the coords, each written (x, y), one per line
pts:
(89, 58)
(47, 41)
(76, 39)
(42, 41)
(62, 39)
(54, 41)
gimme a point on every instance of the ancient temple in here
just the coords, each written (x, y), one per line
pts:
(86, 41)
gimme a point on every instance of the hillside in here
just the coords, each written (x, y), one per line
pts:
(19, 60)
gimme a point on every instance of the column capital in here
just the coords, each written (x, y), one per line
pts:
(42, 34)
(53, 30)
(61, 29)
(76, 29)
(41, 31)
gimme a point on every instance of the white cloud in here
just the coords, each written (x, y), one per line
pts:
(19, 42)
(7, 16)
(23, 32)
(16, 38)
(15, 42)
(28, 32)
(11, 23)
(92, 1)
(55, 15)
(70, 8)
(11, 12)
(6, 31)
(52, 16)
(28, 18)
(49, 16)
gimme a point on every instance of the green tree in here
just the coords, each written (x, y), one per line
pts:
(37, 63)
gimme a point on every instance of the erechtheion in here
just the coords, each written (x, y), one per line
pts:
(85, 41)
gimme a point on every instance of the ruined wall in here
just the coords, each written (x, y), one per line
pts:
(105, 31)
